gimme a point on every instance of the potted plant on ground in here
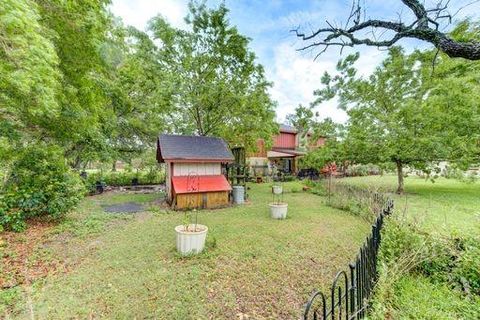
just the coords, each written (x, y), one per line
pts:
(278, 208)
(190, 237)
(277, 189)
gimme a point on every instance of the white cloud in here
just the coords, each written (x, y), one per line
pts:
(138, 13)
(297, 75)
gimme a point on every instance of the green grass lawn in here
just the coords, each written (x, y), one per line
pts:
(442, 208)
(446, 206)
(127, 267)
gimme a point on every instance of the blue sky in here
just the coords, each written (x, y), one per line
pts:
(267, 22)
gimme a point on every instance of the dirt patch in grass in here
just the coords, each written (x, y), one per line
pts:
(127, 207)
(23, 256)
(47, 247)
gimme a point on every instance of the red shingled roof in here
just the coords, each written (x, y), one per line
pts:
(181, 184)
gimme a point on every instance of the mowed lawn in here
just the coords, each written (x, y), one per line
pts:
(253, 265)
(445, 206)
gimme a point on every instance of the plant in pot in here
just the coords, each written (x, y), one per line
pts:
(277, 189)
(278, 208)
(190, 237)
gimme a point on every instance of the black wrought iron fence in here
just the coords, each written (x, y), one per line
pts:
(351, 289)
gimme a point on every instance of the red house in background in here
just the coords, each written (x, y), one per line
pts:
(284, 153)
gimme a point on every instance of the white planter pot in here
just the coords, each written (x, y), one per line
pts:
(278, 211)
(277, 189)
(191, 242)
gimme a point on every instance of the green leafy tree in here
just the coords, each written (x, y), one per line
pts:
(303, 119)
(78, 29)
(401, 114)
(29, 76)
(140, 92)
(219, 88)
(331, 152)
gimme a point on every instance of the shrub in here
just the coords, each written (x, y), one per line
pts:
(453, 173)
(466, 270)
(450, 263)
(124, 178)
(362, 170)
(288, 178)
(456, 262)
(39, 184)
(456, 173)
(365, 203)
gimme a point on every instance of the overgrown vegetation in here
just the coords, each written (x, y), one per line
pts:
(366, 203)
(125, 177)
(426, 269)
(39, 184)
(415, 265)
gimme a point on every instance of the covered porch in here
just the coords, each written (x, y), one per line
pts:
(285, 161)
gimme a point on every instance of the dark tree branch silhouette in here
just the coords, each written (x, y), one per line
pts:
(425, 26)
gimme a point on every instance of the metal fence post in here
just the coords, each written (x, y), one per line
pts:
(363, 276)
(352, 290)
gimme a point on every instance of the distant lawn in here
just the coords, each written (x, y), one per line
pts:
(446, 207)
(127, 267)
(443, 206)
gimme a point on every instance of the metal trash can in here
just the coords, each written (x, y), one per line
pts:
(238, 194)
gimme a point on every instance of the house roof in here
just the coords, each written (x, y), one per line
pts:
(277, 154)
(290, 152)
(287, 128)
(178, 147)
(196, 184)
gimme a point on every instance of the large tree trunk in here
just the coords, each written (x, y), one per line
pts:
(426, 27)
(400, 177)
(454, 49)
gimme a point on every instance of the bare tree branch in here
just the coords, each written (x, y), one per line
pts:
(425, 26)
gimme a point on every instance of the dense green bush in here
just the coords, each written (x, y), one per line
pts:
(458, 174)
(466, 270)
(456, 262)
(288, 178)
(362, 170)
(452, 173)
(346, 197)
(125, 177)
(39, 184)
(450, 264)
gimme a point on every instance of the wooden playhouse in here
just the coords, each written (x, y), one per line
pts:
(194, 177)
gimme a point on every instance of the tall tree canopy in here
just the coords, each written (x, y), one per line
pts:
(423, 23)
(404, 114)
(73, 76)
(139, 90)
(29, 75)
(219, 88)
(78, 29)
(304, 120)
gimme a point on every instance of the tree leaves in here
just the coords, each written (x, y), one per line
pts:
(407, 114)
(29, 79)
(220, 90)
